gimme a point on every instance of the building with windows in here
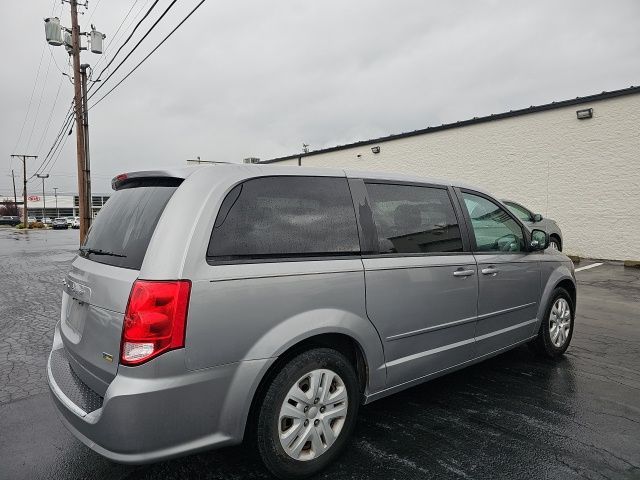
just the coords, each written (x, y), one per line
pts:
(575, 161)
(60, 205)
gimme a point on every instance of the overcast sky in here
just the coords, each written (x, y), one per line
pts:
(258, 78)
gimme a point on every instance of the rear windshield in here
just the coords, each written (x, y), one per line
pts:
(120, 233)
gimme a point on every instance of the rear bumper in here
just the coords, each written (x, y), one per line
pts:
(143, 419)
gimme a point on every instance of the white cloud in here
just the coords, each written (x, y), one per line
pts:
(259, 78)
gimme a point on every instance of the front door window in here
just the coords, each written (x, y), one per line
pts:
(494, 229)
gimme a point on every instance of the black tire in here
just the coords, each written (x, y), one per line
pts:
(267, 438)
(543, 344)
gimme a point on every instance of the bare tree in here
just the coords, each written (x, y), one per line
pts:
(9, 208)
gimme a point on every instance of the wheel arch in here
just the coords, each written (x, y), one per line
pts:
(340, 341)
(570, 287)
(558, 240)
(346, 331)
(559, 277)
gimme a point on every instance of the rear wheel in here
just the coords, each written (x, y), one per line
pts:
(308, 413)
(556, 328)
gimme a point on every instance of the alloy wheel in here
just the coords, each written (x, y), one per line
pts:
(560, 322)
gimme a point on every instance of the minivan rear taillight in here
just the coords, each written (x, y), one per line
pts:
(155, 319)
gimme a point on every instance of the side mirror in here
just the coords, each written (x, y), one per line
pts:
(539, 240)
(537, 217)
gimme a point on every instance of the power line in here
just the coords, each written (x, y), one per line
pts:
(59, 153)
(73, 175)
(114, 39)
(127, 40)
(57, 140)
(48, 123)
(35, 84)
(61, 131)
(35, 118)
(134, 48)
(60, 142)
(55, 61)
(148, 55)
(33, 91)
(115, 36)
(94, 11)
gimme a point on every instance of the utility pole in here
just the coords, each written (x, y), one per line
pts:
(78, 104)
(15, 196)
(55, 193)
(87, 157)
(54, 35)
(25, 220)
(44, 202)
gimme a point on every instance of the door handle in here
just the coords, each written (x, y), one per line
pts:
(463, 273)
(490, 270)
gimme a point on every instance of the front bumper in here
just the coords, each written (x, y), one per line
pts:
(146, 417)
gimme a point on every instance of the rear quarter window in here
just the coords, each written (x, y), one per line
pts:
(122, 230)
(285, 217)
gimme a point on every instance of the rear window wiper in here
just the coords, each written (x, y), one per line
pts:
(98, 251)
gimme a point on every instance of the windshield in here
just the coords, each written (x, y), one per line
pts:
(122, 230)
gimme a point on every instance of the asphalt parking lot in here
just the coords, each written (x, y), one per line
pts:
(514, 416)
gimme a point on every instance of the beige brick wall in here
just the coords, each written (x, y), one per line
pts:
(585, 174)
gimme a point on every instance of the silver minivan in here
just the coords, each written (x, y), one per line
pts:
(215, 304)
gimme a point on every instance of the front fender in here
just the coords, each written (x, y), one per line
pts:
(552, 274)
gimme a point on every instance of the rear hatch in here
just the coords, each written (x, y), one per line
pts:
(97, 288)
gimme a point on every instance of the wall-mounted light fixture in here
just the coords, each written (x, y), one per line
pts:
(375, 149)
(584, 114)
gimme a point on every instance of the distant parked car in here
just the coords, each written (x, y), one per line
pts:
(60, 223)
(46, 220)
(75, 223)
(9, 220)
(70, 220)
(535, 220)
(31, 219)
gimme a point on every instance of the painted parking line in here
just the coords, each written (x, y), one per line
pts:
(587, 267)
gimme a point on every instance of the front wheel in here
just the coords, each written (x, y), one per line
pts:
(308, 413)
(556, 328)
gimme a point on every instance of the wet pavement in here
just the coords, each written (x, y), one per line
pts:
(514, 416)
(32, 265)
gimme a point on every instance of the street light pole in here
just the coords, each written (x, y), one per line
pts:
(15, 195)
(55, 193)
(44, 201)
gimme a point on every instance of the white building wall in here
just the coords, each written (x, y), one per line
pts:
(585, 174)
(290, 161)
